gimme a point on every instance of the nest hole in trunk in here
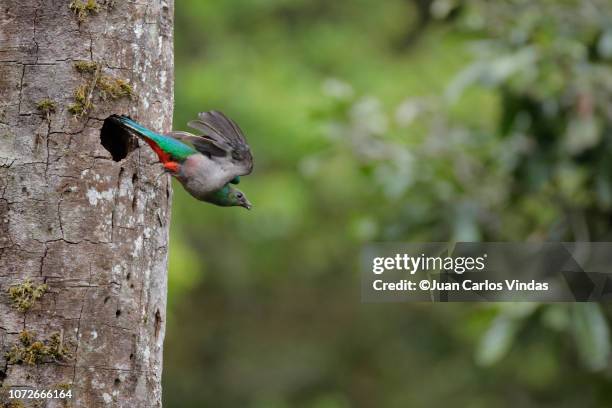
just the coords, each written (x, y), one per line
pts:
(116, 140)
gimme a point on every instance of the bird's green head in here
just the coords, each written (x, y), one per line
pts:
(229, 196)
(237, 198)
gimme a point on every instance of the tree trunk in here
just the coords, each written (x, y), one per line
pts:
(93, 230)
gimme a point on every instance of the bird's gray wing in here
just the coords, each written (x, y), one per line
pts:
(220, 132)
(203, 144)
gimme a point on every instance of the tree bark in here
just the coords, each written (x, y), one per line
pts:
(94, 230)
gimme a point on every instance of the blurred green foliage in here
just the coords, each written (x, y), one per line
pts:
(492, 123)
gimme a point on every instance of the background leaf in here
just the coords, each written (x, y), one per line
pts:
(592, 334)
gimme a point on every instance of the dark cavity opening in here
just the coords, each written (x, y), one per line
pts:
(116, 140)
(158, 321)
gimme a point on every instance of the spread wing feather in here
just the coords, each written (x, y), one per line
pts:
(220, 137)
(203, 144)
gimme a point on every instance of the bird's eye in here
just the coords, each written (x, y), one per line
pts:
(239, 195)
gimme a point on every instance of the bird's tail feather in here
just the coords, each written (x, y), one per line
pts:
(133, 125)
(166, 148)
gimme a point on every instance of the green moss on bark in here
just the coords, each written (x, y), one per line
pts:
(86, 66)
(105, 87)
(24, 295)
(46, 106)
(83, 8)
(31, 351)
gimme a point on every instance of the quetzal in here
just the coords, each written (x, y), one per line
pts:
(205, 164)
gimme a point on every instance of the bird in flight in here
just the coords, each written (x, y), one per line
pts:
(207, 163)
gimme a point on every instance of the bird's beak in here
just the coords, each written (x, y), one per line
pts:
(247, 205)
